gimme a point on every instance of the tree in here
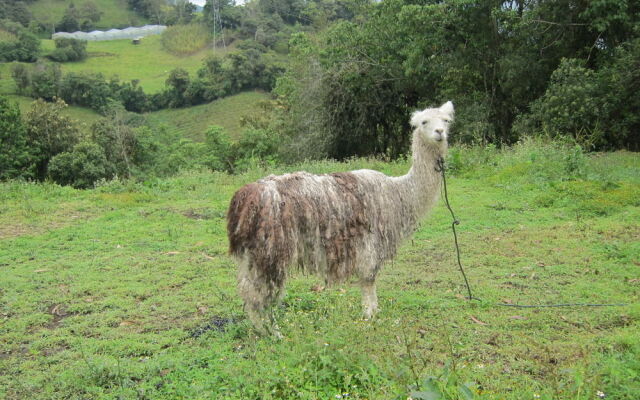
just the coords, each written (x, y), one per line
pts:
(15, 155)
(18, 44)
(177, 83)
(70, 21)
(16, 11)
(45, 80)
(49, 132)
(68, 49)
(117, 138)
(22, 78)
(89, 13)
(90, 90)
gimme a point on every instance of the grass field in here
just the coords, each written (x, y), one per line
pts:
(126, 291)
(116, 13)
(193, 122)
(147, 62)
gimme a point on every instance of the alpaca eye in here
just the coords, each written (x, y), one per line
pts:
(424, 122)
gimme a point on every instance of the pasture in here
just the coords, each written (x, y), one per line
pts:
(126, 291)
(115, 13)
(193, 122)
(147, 62)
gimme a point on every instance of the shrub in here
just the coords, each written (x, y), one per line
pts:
(81, 167)
(15, 155)
(49, 132)
(133, 97)
(17, 43)
(22, 77)
(87, 90)
(572, 104)
(45, 81)
(220, 153)
(68, 49)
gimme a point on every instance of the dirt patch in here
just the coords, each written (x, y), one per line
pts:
(202, 213)
(59, 312)
(216, 324)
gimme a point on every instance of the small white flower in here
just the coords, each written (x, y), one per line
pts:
(600, 394)
(338, 396)
(536, 396)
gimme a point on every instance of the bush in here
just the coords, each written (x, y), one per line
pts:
(572, 104)
(45, 81)
(81, 167)
(133, 97)
(49, 132)
(87, 90)
(17, 43)
(68, 49)
(15, 154)
(22, 77)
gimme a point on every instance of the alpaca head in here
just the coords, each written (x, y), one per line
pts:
(431, 125)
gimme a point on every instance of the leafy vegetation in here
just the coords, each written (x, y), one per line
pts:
(17, 43)
(68, 49)
(496, 60)
(126, 291)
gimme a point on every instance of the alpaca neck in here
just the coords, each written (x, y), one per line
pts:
(422, 182)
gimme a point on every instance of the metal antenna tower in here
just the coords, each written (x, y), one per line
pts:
(217, 24)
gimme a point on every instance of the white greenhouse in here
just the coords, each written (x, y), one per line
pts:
(113, 34)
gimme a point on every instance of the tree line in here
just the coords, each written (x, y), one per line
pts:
(513, 68)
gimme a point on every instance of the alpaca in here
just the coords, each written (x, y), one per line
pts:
(336, 225)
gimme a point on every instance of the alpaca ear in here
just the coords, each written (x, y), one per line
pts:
(447, 108)
(415, 119)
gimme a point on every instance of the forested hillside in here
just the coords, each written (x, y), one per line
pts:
(343, 75)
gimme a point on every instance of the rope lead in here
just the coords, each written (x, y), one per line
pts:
(440, 167)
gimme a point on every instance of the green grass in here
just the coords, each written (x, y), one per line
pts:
(116, 13)
(193, 122)
(186, 39)
(147, 62)
(85, 116)
(109, 293)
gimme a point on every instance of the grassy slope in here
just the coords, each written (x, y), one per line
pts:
(147, 62)
(192, 122)
(116, 14)
(109, 292)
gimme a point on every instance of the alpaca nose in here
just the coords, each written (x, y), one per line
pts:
(439, 131)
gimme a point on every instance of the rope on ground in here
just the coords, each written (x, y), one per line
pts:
(440, 167)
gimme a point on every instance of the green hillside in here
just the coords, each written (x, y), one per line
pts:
(115, 13)
(192, 122)
(127, 291)
(148, 62)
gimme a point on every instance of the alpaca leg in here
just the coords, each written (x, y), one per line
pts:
(259, 298)
(369, 298)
